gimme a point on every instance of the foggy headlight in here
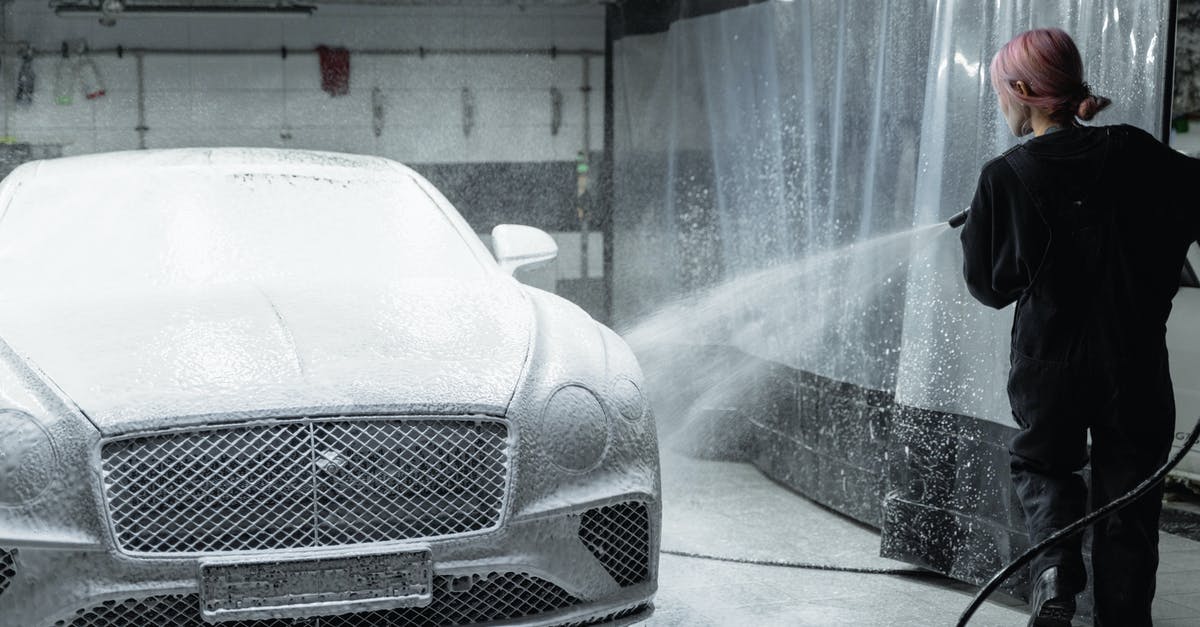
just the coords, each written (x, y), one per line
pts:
(26, 457)
(628, 399)
(574, 429)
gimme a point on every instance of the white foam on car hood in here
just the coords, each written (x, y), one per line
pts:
(134, 361)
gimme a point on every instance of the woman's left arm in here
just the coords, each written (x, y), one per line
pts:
(991, 262)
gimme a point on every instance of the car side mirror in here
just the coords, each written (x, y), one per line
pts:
(517, 246)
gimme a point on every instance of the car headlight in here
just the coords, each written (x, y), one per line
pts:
(628, 399)
(575, 429)
(27, 457)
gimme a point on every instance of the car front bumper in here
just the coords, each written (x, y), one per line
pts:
(584, 564)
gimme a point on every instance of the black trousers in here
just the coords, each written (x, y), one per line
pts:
(1130, 411)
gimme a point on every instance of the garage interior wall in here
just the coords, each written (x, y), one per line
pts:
(781, 170)
(482, 126)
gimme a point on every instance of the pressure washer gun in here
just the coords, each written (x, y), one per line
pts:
(958, 219)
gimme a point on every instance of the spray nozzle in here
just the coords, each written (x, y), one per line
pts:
(958, 219)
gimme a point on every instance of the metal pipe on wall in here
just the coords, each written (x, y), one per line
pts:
(586, 92)
(605, 196)
(4, 79)
(141, 100)
(403, 52)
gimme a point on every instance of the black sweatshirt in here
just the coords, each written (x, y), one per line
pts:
(1089, 239)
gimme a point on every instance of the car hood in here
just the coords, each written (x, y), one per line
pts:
(161, 358)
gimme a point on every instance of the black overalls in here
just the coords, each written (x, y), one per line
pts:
(1086, 229)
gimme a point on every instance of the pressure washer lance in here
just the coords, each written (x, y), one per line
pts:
(958, 219)
(1076, 527)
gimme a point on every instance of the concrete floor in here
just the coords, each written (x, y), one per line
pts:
(732, 510)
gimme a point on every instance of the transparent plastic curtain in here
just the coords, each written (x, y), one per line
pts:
(955, 356)
(764, 153)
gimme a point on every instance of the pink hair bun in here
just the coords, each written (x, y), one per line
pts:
(1090, 106)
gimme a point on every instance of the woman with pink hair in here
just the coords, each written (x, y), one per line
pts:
(1084, 228)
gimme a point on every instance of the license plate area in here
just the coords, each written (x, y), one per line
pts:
(308, 586)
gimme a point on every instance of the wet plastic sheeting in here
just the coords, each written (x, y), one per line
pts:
(751, 138)
(740, 144)
(955, 356)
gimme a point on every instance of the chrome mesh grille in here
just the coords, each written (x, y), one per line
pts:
(305, 484)
(619, 537)
(8, 568)
(480, 599)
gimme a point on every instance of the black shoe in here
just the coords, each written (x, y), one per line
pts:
(1051, 603)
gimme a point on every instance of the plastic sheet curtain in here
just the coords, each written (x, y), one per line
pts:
(757, 136)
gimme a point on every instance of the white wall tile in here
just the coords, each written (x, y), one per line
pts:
(373, 32)
(303, 72)
(116, 109)
(237, 72)
(180, 138)
(509, 143)
(319, 109)
(236, 32)
(45, 113)
(111, 140)
(350, 139)
(75, 141)
(82, 144)
(511, 31)
(238, 109)
(167, 72)
(566, 145)
(424, 144)
(568, 73)
(422, 107)
(142, 32)
(514, 107)
(239, 100)
(169, 109)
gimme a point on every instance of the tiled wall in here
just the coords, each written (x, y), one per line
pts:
(214, 100)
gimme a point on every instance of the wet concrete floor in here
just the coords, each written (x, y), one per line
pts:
(732, 510)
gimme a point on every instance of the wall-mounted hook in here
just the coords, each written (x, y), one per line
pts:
(468, 104)
(556, 103)
(377, 111)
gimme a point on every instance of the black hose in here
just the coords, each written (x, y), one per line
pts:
(862, 570)
(1063, 534)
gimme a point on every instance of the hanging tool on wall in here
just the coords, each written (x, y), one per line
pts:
(25, 77)
(90, 80)
(335, 70)
(80, 72)
(468, 111)
(556, 102)
(377, 111)
(64, 77)
(583, 202)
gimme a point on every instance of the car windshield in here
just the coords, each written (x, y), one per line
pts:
(191, 227)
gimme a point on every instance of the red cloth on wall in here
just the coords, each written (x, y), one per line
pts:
(335, 70)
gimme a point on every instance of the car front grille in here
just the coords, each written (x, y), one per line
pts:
(456, 601)
(8, 567)
(619, 537)
(305, 484)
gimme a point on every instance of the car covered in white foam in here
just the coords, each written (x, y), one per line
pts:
(272, 388)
